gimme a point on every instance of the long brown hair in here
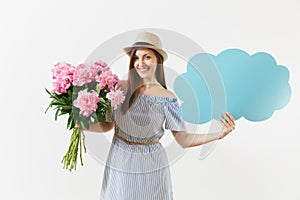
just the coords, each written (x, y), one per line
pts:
(134, 80)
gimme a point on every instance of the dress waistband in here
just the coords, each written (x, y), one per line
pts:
(135, 143)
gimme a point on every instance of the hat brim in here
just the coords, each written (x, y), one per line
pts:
(160, 51)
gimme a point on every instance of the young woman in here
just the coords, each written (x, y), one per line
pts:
(137, 166)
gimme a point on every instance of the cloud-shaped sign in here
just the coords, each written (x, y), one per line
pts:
(246, 86)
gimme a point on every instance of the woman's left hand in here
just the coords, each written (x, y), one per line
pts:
(228, 124)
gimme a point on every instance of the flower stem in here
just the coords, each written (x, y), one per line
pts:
(70, 158)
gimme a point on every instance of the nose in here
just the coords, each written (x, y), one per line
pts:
(140, 62)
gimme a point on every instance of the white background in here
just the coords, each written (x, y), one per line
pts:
(257, 161)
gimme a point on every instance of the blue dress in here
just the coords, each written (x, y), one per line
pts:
(141, 172)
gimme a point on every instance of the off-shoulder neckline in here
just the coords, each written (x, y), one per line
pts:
(159, 97)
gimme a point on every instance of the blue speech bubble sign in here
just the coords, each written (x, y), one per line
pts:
(255, 86)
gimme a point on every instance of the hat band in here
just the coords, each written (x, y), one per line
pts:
(142, 43)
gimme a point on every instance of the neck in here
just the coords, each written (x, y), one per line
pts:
(148, 82)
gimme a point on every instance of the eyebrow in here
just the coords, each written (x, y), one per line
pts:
(146, 54)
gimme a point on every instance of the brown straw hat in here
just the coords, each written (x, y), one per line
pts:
(147, 40)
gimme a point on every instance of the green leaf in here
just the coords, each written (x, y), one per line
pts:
(70, 121)
(48, 91)
(72, 124)
(56, 114)
(62, 113)
(48, 108)
(100, 117)
(81, 124)
(109, 109)
(69, 93)
(54, 96)
(86, 123)
(57, 103)
(98, 89)
(67, 107)
(94, 116)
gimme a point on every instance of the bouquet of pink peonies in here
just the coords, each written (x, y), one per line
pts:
(86, 93)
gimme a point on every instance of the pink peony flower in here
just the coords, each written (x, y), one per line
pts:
(107, 78)
(86, 102)
(61, 86)
(102, 66)
(84, 74)
(117, 97)
(88, 73)
(62, 75)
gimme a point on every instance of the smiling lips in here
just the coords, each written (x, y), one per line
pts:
(143, 69)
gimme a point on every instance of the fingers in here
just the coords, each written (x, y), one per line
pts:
(230, 117)
(224, 122)
(228, 121)
(226, 128)
(228, 124)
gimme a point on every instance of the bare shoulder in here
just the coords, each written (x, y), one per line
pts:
(167, 93)
(122, 85)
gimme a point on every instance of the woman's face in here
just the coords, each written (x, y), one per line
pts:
(145, 63)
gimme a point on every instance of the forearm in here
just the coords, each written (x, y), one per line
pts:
(199, 139)
(193, 139)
